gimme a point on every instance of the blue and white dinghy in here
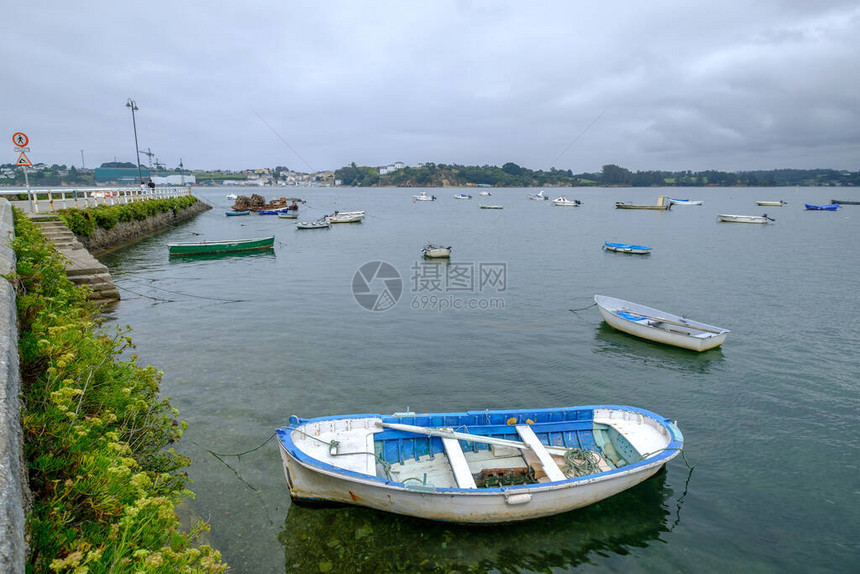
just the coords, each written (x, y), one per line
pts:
(479, 467)
(659, 326)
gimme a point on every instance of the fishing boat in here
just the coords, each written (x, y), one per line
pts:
(841, 202)
(626, 248)
(565, 202)
(539, 196)
(424, 196)
(659, 326)
(479, 467)
(346, 217)
(828, 207)
(319, 224)
(235, 213)
(492, 207)
(462, 196)
(433, 251)
(765, 203)
(686, 201)
(289, 215)
(275, 211)
(663, 203)
(729, 218)
(217, 247)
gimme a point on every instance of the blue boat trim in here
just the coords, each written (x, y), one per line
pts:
(471, 424)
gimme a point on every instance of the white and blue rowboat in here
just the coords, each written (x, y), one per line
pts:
(627, 248)
(479, 467)
(686, 201)
(462, 196)
(659, 326)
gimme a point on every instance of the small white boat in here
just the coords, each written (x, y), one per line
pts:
(424, 196)
(565, 202)
(288, 215)
(765, 203)
(485, 193)
(345, 217)
(728, 218)
(492, 207)
(232, 196)
(627, 248)
(686, 201)
(479, 467)
(659, 326)
(433, 251)
(319, 224)
(462, 196)
(540, 196)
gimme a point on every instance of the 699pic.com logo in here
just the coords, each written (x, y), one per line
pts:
(377, 286)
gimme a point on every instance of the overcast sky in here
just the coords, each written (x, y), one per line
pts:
(713, 84)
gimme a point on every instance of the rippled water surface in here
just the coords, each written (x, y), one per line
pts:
(770, 420)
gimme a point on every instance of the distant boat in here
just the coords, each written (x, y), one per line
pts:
(432, 251)
(289, 215)
(346, 217)
(462, 196)
(565, 202)
(841, 202)
(320, 224)
(233, 213)
(663, 203)
(483, 466)
(224, 246)
(828, 207)
(728, 218)
(540, 196)
(779, 203)
(232, 196)
(492, 207)
(424, 196)
(485, 193)
(659, 326)
(275, 211)
(686, 201)
(627, 248)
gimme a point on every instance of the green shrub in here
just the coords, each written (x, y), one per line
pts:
(83, 222)
(105, 482)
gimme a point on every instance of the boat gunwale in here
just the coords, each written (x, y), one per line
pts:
(221, 242)
(667, 453)
(658, 314)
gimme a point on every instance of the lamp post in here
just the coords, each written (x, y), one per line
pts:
(133, 106)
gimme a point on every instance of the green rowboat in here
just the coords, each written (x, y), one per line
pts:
(226, 246)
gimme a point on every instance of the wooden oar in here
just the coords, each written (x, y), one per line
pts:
(451, 433)
(676, 323)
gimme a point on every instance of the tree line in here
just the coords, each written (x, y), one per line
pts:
(513, 175)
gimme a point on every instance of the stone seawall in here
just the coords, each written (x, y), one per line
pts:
(127, 232)
(14, 491)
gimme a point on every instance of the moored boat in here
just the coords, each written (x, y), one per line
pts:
(289, 215)
(729, 218)
(433, 251)
(275, 211)
(319, 224)
(235, 213)
(828, 207)
(345, 217)
(686, 201)
(539, 196)
(767, 203)
(659, 326)
(627, 248)
(565, 202)
(485, 193)
(844, 202)
(462, 196)
(424, 196)
(492, 207)
(223, 246)
(483, 466)
(663, 203)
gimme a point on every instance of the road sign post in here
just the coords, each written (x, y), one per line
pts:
(21, 141)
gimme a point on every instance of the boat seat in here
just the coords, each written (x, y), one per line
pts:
(549, 466)
(457, 459)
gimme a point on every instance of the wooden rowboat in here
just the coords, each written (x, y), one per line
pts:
(225, 246)
(659, 326)
(478, 467)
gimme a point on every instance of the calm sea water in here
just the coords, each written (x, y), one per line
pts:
(770, 420)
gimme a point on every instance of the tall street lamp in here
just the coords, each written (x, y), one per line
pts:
(133, 106)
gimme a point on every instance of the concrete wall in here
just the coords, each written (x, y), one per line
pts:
(14, 493)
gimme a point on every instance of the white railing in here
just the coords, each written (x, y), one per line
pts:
(52, 199)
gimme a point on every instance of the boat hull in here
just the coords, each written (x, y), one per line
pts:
(627, 248)
(439, 253)
(828, 207)
(727, 218)
(216, 247)
(672, 333)
(770, 203)
(311, 479)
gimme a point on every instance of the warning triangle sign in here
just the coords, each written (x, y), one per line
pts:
(23, 160)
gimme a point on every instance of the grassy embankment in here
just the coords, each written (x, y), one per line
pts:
(97, 435)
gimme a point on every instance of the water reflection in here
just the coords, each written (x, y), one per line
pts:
(269, 252)
(613, 342)
(353, 539)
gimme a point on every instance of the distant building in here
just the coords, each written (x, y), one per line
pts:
(120, 175)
